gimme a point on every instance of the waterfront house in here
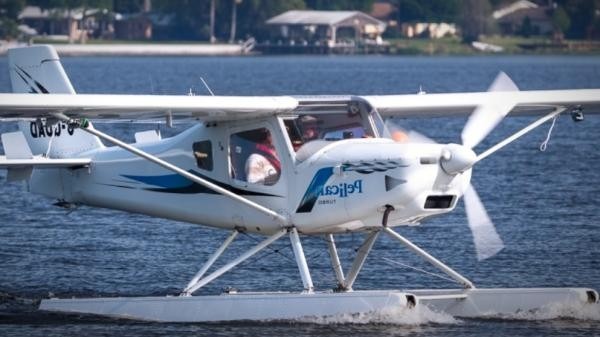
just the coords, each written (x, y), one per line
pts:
(324, 31)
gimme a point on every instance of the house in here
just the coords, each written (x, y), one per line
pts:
(326, 28)
(136, 26)
(525, 18)
(74, 24)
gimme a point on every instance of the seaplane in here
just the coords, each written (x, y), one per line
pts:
(274, 166)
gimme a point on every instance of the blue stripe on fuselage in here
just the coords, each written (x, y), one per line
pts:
(164, 181)
(313, 190)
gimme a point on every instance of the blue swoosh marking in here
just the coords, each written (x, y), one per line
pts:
(165, 181)
(175, 183)
(312, 192)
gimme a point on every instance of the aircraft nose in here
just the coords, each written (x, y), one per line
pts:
(457, 159)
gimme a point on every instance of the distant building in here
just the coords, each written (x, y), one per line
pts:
(329, 29)
(60, 24)
(431, 30)
(136, 26)
(524, 18)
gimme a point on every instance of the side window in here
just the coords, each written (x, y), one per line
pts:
(253, 157)
(203, 155)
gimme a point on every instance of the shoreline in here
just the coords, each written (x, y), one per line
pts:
(430, 48)
(150, 49)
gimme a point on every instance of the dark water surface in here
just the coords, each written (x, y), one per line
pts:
(544, 205)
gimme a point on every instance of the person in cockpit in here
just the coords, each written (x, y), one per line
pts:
(263, 165)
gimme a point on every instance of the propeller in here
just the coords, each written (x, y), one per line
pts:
(487, 241)
(481, 122)
(486, 117)
(456, 159)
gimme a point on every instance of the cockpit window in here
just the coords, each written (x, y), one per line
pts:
(326, 126)
(254, 158)
(203, 154)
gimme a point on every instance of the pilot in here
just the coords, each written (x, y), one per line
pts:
(310, 129)
(263, 166)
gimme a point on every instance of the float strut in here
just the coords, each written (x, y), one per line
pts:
(437, 263)
(301, 260)
(210, 262)
(359, 260)
(202, 282)
(335, 261)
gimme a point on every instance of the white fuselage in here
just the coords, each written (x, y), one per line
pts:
(343, 185)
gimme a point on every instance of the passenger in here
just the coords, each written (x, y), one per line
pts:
(263, 166)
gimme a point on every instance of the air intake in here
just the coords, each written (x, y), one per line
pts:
(439, 201)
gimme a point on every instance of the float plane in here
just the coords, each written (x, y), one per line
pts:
(274, 166)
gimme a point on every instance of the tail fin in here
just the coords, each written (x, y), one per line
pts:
(37, 70)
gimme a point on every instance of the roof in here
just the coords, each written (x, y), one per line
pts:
(512, 8)
(329, 18)
(35, 12)
(382, 10)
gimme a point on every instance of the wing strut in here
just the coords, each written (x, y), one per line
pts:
(84, 125)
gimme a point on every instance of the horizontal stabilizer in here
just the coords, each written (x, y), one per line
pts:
(42, 162)
(15, 146)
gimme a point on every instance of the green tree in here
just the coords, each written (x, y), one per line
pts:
(427, 10)
(9, 12)
(581, 14)
(475, 19)
(410, 11)
(340, 5)
(128, 6)
(252, 15)
(526, 29)
(561, 22)
(191, 18)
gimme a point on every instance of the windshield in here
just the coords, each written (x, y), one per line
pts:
(324, 127)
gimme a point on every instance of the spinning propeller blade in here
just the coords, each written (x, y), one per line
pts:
(481, 122)
(486, 239)
(486, 117)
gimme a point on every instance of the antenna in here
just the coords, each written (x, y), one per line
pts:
(206, 85)
(151, 84)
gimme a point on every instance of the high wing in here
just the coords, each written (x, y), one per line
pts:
(463, 104)
(136, 107)
(220, 108)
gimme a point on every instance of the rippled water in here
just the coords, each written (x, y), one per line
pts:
(545, 207)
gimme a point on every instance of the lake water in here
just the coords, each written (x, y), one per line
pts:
(544, 205)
